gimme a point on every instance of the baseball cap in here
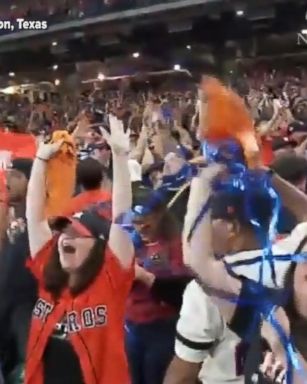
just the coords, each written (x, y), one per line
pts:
(88, 223)
(146, 201)
(22, 165)
(297, 126)
(281, 142)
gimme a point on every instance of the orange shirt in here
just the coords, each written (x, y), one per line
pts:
(95, 322)
(85, 199)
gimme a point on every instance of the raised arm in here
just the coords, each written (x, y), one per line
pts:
(198, 251)
(266, 128)
(38, 229)
(119, 241)
(293, 199)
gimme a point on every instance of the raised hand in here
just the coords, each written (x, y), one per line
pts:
(117, 138)
(47, 151)
(273, 369)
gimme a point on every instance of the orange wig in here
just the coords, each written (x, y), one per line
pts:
(223, 116)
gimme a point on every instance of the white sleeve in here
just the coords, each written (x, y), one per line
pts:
(289, 245)
(200, 325)
(291, 242)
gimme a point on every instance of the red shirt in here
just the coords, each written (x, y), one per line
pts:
(267, 154)
(99, 344)
(163, 260)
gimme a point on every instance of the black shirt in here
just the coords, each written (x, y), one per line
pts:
(247, 321)
(61, 363)
(18, 289)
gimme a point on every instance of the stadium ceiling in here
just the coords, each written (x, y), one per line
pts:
(198, 35)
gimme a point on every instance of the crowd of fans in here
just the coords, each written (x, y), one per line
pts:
(78, 295)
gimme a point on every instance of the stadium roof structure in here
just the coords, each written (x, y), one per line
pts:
(192, 34)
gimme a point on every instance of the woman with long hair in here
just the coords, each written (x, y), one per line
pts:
(154, 302)
(230, 233)
(85, 269)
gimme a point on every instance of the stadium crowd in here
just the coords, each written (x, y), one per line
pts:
(103, 280)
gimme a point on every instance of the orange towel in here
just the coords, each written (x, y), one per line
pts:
(224, 116)
(61, 175)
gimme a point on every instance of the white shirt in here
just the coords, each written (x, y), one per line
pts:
(202, 334)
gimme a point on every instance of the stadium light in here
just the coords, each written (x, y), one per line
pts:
(57, 82)
(189, 47)
(136, 55)
(101, 76)
(177, 67)
(55, 67)
(54, 43)
(240, 12)
(12, 74)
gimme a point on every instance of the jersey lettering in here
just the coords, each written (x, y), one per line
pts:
(42, 309)
(101, 315)
(87, 316)
(48, 310)
(72, 322)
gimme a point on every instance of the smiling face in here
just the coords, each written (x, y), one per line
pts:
(73, 248)
(148, 226)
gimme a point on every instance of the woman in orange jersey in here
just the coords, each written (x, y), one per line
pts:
(85, 270)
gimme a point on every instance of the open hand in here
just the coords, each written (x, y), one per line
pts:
(273, 339)
(117, 138)
(273, 369)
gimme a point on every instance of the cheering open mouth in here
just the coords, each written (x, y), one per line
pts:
(69, 249)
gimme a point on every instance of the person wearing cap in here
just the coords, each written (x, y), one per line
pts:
(18, 289)
(205, 347)
(155, 299)
(297, 131)
(84, 267)
(225, 229)
(283, 145)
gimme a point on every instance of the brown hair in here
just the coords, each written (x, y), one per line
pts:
(55, 278)
(168, 226)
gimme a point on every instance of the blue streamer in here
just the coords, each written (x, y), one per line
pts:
(240, 179)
